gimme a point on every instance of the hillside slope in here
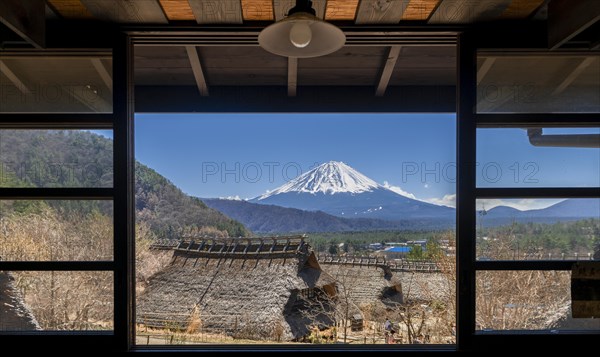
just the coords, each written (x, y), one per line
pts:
(60, 158)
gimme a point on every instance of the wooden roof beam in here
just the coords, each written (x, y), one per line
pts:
(464, 12)
(102, 72)
(13, 78)
(194, 58)
(420, 10)
(568, 18)
(388, 69)
(485, 68)
(572, 76)
(27, 18)
(380, 12)
(212, 12)
(95, 103)
(292, 76)
(127, 12)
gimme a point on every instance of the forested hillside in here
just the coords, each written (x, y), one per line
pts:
(39, 158)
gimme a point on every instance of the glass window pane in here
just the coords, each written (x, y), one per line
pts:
(538, 229)
(522, 158)
(56, 230)
(56, 301)
(55, 84)
(538, 84)
(56, 158)
(527, 300)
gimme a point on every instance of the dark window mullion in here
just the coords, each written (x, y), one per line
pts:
(525, 265)
(56, 121)
(466, 183)
(57, 266)
(538, 192)
(545, 120)
(55, 193)
(124, 203)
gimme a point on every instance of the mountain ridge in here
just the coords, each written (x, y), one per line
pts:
(340, 190)
(262, 218)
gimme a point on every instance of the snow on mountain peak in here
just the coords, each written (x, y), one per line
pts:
(328, 178)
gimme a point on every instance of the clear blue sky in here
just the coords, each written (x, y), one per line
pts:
(222, 155)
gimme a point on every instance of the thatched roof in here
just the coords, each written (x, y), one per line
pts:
(419, 286)
(368, 281)
(241, 287)
(14, 315)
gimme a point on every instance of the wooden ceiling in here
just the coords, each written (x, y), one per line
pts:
(375, 66)
(201, 51)
(241, 11)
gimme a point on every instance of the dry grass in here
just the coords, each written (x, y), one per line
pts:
(77, 300)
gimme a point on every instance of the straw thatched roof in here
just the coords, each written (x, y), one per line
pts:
(14, 315)
(367, 281)
(419, 286)
(241, 287)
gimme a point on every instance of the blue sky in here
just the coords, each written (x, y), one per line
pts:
(244, 155)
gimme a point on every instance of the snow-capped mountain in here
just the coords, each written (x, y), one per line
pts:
(329, 178)
(337, 189)
(340, 190)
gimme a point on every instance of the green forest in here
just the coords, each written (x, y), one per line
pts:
(517, 240)
(539, 240)
(61, 158)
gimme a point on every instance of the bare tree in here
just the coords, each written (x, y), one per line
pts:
(428, 313)
(336, 306)
(61, 300)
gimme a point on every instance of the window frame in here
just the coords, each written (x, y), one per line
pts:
(469, 120)
(121, 121)
(118, 122)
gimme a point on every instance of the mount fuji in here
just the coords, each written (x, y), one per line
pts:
(340, 190)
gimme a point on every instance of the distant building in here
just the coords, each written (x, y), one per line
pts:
(375, 246)
(422, 243)
(395, 252)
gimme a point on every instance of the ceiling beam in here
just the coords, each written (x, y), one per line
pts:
(522, 9)
(177, 10)
(92, 101)
(27, 18)
(420, 10)
(380, 12)
(340, 10)
(13, 78)
(211, 12)
(257, 10)
(194, 58)
(466, 12)
(568, 18)
(292, 76)
(572, 76)
(388, 69)
(127, 12)
(485, 68)
(103, 72)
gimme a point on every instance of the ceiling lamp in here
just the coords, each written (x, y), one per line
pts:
(302, 34)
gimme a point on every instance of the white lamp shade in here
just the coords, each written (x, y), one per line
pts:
(326, 38)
